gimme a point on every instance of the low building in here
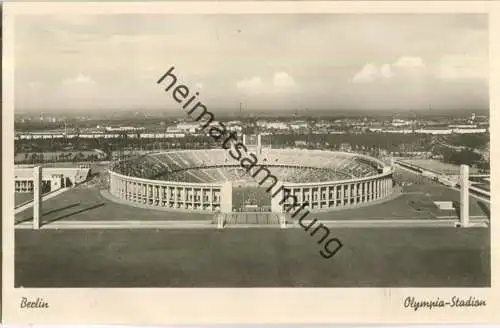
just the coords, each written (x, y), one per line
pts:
(52, 178)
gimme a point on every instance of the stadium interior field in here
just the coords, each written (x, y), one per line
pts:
(215, 165)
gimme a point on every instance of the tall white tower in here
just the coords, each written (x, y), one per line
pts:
(464, 195)
(37, 196)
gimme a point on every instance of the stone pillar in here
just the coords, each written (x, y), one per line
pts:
(282, 219)
(220, 220)
(202, 200)
(464, 195)
(211, 199)
(37, 196)
(328, 191)
(193, 197)
(342, 195)
(123, 187)
(259, 144)
(160, 196)
(149, 190)
(334, 196)
(226, 197)
(157, 190)
(349, 193)
(176, 197)
(355, 187)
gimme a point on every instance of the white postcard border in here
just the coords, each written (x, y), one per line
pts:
(240, 305)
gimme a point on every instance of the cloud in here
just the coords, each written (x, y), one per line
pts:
(79, 79)
(449, 67)
(409, 62)
(249, 84)
(462, 66)
(399, 68)
(294, 56)
(386, 71)
(283, 80)
(369, 73)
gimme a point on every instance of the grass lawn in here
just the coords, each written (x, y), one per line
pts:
(21, 197)
(438, 166)
(371, 257)
(89, 204)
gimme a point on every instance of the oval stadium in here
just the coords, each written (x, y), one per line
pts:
(278, 181)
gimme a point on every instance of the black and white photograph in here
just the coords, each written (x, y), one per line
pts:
(252, 150)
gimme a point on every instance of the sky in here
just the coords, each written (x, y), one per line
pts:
(272, 62)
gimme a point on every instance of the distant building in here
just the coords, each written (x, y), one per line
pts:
(346, 147)
(297, 125)
(399, 122)
(188, 127)
(463, 126)
(469, 130)
(273, 125)
(52, 179)
(434, 131)
(123, 129)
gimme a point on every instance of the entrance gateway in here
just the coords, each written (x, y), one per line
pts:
(251, 203)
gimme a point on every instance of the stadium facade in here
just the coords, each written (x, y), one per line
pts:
(203, 180)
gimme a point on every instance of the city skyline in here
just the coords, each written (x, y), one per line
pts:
(274, 63)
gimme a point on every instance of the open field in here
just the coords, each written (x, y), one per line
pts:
(398, 257)
(22, 197)
(89, 204)
(250, 195)
(433, 190)
(438, 166)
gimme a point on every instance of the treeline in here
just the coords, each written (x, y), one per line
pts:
(34, 158)
(464, 156)
(473, 141)
(389, 142)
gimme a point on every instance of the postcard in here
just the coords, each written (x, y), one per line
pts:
(245, 162)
